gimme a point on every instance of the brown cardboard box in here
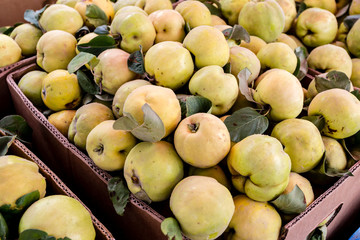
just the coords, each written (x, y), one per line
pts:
(12, 11)
(55, 186)
(142, 221)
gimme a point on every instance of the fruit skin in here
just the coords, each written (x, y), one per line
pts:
(31, 84)
(254, 220)
(55, 49)
(170, 63)
(335, 153)
(85, 39)
(214, 172)
(129, 9)
(342, 33)
(277, 55)
(241, 58)
(202, 206)
(10, 52)
(61, 90)
(289, 9)
(112, 70)
(60, 216)
(270, 90)
(62, 120)
(355, 75)
(135, 29)
(86, 118)
(19, 176)
(263, 164)
(169, 25)
(70, 3)
(284, 38)
(354, 7)
(122, 93)
(104, 5)
(216, 20)
(61, 17)
(321, 24)
(254, 45)
(264, 19)
(162, 100)
(208, 45)
(329, 5)
(302, 142)
(26, 36)
(108, 147)
(303, 184)
(231, 9)
(208, 130)
(353, 39)
(341, 111)
(151, 6)
(330, 57)
(154, 168)
(195, 13)
(220, 88)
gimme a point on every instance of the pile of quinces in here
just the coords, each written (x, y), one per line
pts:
(205, 104)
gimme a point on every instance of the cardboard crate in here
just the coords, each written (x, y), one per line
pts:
(54, 185)
(341, 198)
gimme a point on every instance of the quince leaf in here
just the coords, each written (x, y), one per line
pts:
(170, 227)
(16, 125)
(187, 27)
(82, 31)
(342, 11)
(227, 68)
(136, 62)
(213, 10)
(102, 30)
(317, 120)
(105, 97)
(243, 77)
(86, 83)
(194, 104)
(291, 203)
(350, 20)
(355, 155)
(302, 66)
(33, 16)
(334, 79)
(95, 15)
(127, 123)
(119, 194)
(5, 143)
(4, 230)
(97, 45)
(319, 233)
(79, 60)
(35, 234)
(237, 33)
(245, 122)
(356, 93)
(8, 30)
(300, 8)
(26, 200)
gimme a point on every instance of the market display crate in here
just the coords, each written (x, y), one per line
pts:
(54, 185)
(339, 203)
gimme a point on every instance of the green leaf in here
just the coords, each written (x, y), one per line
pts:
(16, 125)
(187, 27)
(194, 104)
(79, 60)
(82, 32)
(97, 45)
(319, 233)
(105, 97)
(8, 30)
(317, 120)
(136, 62)
(119, 194)
(291, 203)
(33, 16)
(300, 8)
(102, 30)
(350, 20)
(87, 84)
(5, 143)
(142, 195)
(302, 66)
(170, 227)
(4, 230)
(26, 200)
(95, 15)
(34, 234)
(245, 122)
(227, 68)
(152, 129)
(355, 156)
(356, 93)
(243, 77)
(213, 10)
(237, 33)
(334, 79)
(87, 98)
(342, 11)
